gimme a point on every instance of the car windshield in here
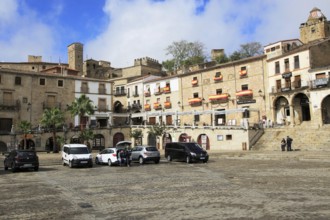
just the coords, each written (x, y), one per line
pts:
(26, 154)
(151, 149)
(79, 150)
(194, 147)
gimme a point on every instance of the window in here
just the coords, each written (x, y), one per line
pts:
(243, 68)
(195, 95)
(229, 137)
(278, 84)
(18, 80)
(128, 92)
(42, 81)
(245, 87)
(195, 78)
(219, 91)
(196, 118)
(168, 99)
(217, 74)
(7, 98)
(287, 65)
(296, 62)
(60, 83)
(277, 67)
(102, 105)
(102, 88)
(158, 100)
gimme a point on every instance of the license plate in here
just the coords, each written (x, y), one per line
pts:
(202, 158)
(83, 161)
(27, 165)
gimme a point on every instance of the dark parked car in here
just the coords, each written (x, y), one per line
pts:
(21, 159)
(185, 151)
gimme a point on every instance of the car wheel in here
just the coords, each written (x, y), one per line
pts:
(156, 161)
(63, 163)
(141, 161)
(36, 168)
(70, 164)
(97, 161)
(188, 160)
(109, 162)
(204, 161)
(13, 168)
(169, 158)
(6, 168)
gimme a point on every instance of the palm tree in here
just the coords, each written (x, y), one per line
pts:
(85, 136)
(25, 127)
(81, 106)
(53, 118)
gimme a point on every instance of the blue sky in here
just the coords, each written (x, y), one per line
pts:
(120, 31)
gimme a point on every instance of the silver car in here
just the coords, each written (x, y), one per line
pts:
(143, 154)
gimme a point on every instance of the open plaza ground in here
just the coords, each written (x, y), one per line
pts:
(232, 185)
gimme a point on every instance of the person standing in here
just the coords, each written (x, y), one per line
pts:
(289, 143)
(283, 144)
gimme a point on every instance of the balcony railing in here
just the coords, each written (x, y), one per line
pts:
(84, 89)
(136, 106)
(320, 83)
(103, 108)
(147, 93)
(9, 105)
(102, 91)
(120, 92)
(135, 94)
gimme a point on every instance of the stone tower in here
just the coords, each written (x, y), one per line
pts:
(75, 56)
(316, 27)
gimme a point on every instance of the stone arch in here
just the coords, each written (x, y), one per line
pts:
(281, 110)
(98, 142)
(29, 144)
(184, 138)
(301, 107)
(325, 110)
(118, 137)
(167, 138)
(203, 141)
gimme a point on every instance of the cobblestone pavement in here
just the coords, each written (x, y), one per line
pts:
(236, 186)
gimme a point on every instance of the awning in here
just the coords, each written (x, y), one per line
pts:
(245, 93)
(194, 82)
(218, 97)
(219, 78)
(194, 100)
(242, 72)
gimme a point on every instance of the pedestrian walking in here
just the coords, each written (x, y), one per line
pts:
(289, 143)
(283, 144)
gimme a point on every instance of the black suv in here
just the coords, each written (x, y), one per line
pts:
(21, 159)
(185, 151)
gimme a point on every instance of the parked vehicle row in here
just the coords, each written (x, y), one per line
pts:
(78, 155)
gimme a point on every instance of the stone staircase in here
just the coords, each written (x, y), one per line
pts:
(305, 137)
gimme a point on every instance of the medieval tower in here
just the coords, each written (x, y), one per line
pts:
(75, 57)
(316, 27)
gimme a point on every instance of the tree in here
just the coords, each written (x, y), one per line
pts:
(85, 136)
(136, 134)
(186, 53)
(53, 118)
(25, 128)
(251, 49)
(157, 130)
(168, 65)
(247, 50)
(221, 59)
(81, 106)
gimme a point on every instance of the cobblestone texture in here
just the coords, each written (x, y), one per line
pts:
(236, 186)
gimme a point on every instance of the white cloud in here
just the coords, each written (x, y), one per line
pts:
(22, 34)
(142, 28)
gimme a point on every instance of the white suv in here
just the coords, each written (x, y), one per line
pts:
(76, 155)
